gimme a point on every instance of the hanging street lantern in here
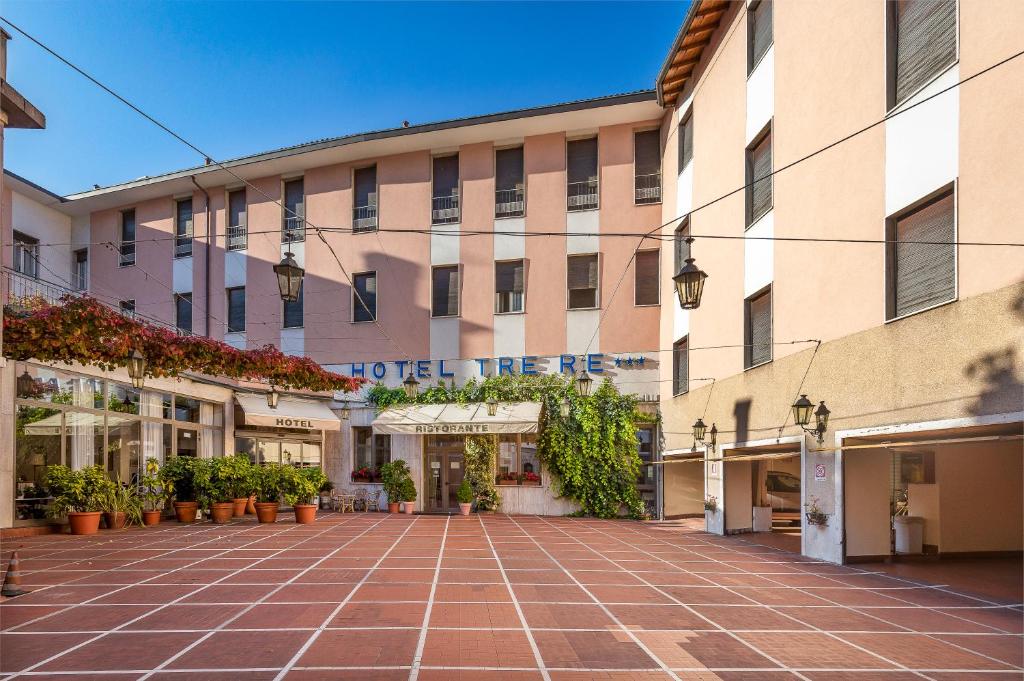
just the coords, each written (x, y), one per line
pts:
(584, 383)
(698, 430)
(289, 278)
(137, 368)
(563, 408)
(492, 406)
(689, 283)
(821, 418)
(802, 411)
(273, 397)
(713, 441)
(412, 386)
(346, 412)
(26, 385)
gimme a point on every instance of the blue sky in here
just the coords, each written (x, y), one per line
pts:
(239, 78)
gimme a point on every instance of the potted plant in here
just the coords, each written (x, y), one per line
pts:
(465, 496)
(301, 486)
(269, 479)
(815, 516)
(530, 478)
(507, 478)
(121, 506)
(78, 495)
(409, 494)
(153, 493)
(325, 492)
(230, 481)
(188, 477)
(393, 475)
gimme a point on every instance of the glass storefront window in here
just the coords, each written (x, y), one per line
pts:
(645, 440)
(124, 447)
(124, 399)
(186, 443)
(37, 442)
(269, 452)
(517, 458)
(83, 439)
(507, 454)
(186, 409)
(528, 455)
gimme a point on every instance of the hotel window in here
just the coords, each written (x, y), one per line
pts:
(236, 309)
(238, 230)
(364, 297)
(81, 269)
(183, 229)
(583, 277)
(509, 183)
(681, 366)
(581, 164)
(127, 307)
(445, 291)
(922, 43)
(293, 227)
(518, 462)
(759, 177)
(293, 311)
(445, 204)
(183, 312)
(26, 255)
(686, 141)
(758, 329)
(369, 453)
(509, 285)
(645, 280)
(364, 208)
(126, 246)
(647, 166)
(682, 249)
(921, 275)
(759, 32)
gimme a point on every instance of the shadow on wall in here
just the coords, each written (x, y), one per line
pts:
(741, 412)
(999, 374)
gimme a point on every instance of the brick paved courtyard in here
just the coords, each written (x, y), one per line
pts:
(379, 597)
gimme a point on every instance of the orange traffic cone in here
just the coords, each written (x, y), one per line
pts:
(12, 580)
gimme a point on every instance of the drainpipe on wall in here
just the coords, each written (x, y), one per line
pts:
(210, 234)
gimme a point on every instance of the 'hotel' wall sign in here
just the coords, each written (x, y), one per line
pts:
(528, 365)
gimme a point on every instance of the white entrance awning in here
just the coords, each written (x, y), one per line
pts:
(290, 413)
(456, 419)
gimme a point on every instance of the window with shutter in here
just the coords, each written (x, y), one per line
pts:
(923, 43)
(581, 176)
(183, 312)
(759, 180)
(293, 312)
(646, 277)
(237, 221)
(364, 297)
(759, 32)
(445, 291)
(364, 208)
(922, 275)
(509, 286)
(686, 141)
(183, 229)
(647, 166)
(681, 366)
(682, 249)
(294, 211)
(583, 281)
(758, 325)
(236, 309)
(445, 203)
(509, 189)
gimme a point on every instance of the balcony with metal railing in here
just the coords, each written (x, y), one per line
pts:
(293, 230)
(509, 203)
(445, 209)
(238, 237)
(183, 246)
(126, 251)
(20, 290)
(648, 188)
(364, 218)
(582, 195)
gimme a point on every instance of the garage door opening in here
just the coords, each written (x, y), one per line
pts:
(762, 489)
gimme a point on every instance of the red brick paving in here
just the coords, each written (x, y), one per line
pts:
(373, 597)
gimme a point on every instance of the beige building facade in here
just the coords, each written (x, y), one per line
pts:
(915, 348)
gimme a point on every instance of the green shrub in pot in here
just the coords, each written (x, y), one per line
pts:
(122, 506)
(301, 486)
(79, 495)
(189, 479)
(393, 476)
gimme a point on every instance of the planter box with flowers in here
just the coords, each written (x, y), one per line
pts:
(814, 514)
(509, 478)
(530, 479)
(364, 474)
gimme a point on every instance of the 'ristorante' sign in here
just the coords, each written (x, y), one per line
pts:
(454, 428)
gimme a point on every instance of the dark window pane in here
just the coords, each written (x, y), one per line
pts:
(237, 220)
(646, 278)
(509, 285)
(294, 211)
(682, 249)
(581, 159)
(759, 169)
(236, 309)
(445, 291)
(759, 31)
(759, 329)
(293, 311)
(183, 311)
(923, 274)
(183, 229)
(364, 300)
(925, 42)
(680, 366)
(685, 142)
(647, 166)
(583, 281)
(509, 194)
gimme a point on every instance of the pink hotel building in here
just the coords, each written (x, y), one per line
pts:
(815, 286)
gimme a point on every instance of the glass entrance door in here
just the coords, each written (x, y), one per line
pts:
(444, 470)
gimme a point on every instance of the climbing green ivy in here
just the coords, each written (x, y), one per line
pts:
(479, 456)
(591, 454)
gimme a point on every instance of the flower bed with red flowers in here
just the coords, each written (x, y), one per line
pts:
(83, 330)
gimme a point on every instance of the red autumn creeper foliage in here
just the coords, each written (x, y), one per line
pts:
(83, 330)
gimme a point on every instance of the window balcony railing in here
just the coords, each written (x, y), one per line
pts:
(127, 253)
(364, 219)
(294, 229)
(182, 246)
(21, 289)
(445, 210)
(238, 238)
(582, 195)
(509, 203)
(648, 188)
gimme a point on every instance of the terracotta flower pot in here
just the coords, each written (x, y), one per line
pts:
(86, 522)
(115, 520)
(186, 511)
(266, 511)
(222, 511)
(393, 507)
(305, 514)
(239, 507)
(250, 505)
(464, 509)
(150, 518)
(410, 506)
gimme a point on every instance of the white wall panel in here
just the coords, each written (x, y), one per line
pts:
(758, 255)
(761, 95)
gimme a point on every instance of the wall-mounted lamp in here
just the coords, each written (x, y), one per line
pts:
(802, 410)
(492, 405)
(273, 396)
